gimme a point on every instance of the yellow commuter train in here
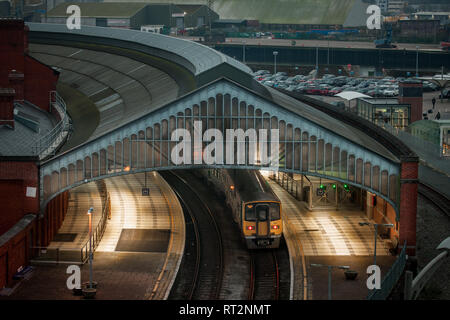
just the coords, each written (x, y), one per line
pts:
(256, 208)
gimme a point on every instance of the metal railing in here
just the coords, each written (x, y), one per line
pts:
(391, 279)
(97, 234)
(289, 184)
(47, 144)
(56, 255)
(76, 255)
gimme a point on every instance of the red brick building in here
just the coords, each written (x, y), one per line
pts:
(411, 92)
(29, 78)
(22, 78)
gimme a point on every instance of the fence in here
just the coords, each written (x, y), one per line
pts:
(77, 255)
(391, 278)
(97, 234)
(47, 144)
(289, 184)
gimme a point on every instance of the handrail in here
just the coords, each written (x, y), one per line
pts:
(44, 143)
(97, 234)
(77, 255)
(392, 277)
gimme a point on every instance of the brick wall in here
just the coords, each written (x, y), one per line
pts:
(12, 46)
(15, 177)
(7, 106)
(412, 93)
(54, 216)
(15, 254)
(39, 81)
(31, 79)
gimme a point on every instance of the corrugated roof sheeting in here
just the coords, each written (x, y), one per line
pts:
(202, 57)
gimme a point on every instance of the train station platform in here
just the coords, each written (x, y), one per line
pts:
(140, 251)
(74, 232)
(328, 237)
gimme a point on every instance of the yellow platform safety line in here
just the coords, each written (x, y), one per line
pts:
(300, 247)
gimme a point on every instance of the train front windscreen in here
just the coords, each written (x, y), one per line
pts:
(262, 211)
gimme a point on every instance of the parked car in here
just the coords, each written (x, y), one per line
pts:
(445, 94)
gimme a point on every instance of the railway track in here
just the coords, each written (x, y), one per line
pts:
(264, 276)
(204, 262)
(440, 201)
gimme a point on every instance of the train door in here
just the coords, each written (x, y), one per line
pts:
(263, 220)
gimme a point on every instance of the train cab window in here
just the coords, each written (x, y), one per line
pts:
(262, 212)
(250, 214)
(274, 210)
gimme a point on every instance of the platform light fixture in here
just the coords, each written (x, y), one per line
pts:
(375, 226)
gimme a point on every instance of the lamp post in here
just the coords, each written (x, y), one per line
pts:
(243, 51)
(417, 61)
(90, 213)
(330, 268)
(375, 225)
(317, 59)
(275, 53)
(328, 56)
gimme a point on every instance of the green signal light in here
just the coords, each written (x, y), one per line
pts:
(321, 186)
(334, 186)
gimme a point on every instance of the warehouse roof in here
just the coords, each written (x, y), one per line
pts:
(189, 8)
(100, 10)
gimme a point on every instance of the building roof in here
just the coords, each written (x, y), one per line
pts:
(350, 95)
(198, 58)
(430, 13)
(100, 10)
(287, 12)
(20, 141)
(189, 8)
(235, 21)
(389, 101)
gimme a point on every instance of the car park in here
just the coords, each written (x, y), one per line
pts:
(331, 85)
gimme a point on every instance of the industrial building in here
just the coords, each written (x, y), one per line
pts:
(134, 15)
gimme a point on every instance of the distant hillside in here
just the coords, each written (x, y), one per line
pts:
(277, 11)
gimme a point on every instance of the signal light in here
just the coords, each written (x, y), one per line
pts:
(322, 186)
(275, 227)
(334, 186)
(250, 228)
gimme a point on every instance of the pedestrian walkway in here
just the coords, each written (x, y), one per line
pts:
(328, 232)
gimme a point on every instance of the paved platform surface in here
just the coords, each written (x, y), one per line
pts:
(76, 221)
(328, 237)
(123, 275)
